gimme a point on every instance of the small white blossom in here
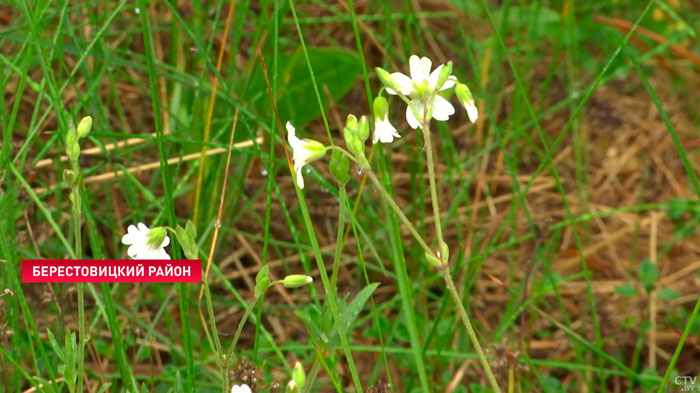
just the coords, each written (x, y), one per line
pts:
(241, 389)
(384, 131)
(137, 240)
(303, 152)
(421, 85)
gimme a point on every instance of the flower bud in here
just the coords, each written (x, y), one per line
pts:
(296, 280)
(387, 79)
(444, 74)
(84, 126)
(433, 260)
(72, 146)
(351, 123)
(353, 142)
(363, 129)
(443, 252)
(381, 108)
(156, 236)
(465, 97)
(262, 280)
(69, 176)
(298, 375)
(340, 167)
(291, 387)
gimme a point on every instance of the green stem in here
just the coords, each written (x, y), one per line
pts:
(77, 220)
(443, 256)
(431, 177)
(339, 240)
(470, 329)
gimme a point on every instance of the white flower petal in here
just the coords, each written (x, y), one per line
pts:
(472, 112)
(450, 82)
(434, 76)
(442, 109)
(300, 177)
(425, 63)
(414, 65)
(291, 135)
(411, 117)
(133, 251)
(129, 239)
(143, 228)
(241, 389)
(405, 84)
(165, 242)
(384, 131)
(420, 68)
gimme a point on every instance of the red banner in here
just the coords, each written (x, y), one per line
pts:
(111, 270)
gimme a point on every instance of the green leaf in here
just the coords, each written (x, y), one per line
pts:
(552, 385)
(104, 388)
(350, 313)
(55, 346)
(336, 72)
(648, 274)
(668, 294)
(627, 290)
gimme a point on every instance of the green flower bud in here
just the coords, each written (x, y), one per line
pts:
(298, 375)
(464, 94)
(436, 262)
(351, 123)
(72, 146)
(444, 252)
(187, 237)
(262, 280)
(296, 280)
(156, 236)
(444, 74)
(387, 79)
(363, 129)
(381, 108)
(353, 142)
(340, 167)
(69, 176)
(84, 126)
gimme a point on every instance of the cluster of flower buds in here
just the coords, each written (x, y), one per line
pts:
(73, 137)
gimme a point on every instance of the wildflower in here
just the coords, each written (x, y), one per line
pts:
(420, 86)
(384, 131)
(145, 243)
(465, 97)
(241, 389)
(303, 152)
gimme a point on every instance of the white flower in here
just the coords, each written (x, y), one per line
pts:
(241, 389)
(303, 152)
(137, 240)
(384, 131)
(420, 86)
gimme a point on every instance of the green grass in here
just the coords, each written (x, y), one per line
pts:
(546, 218)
